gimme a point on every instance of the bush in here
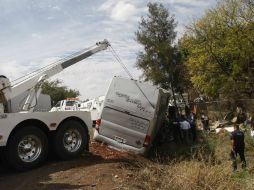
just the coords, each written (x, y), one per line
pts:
(204, 165)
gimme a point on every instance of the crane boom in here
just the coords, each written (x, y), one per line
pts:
(32, 82)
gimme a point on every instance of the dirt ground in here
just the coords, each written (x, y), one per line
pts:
(101, 168)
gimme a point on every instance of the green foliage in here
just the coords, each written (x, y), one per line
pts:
(219, 50)
(57, 91)
(160, 60)
(249, 141)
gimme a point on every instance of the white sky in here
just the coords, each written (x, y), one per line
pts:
(34, 33)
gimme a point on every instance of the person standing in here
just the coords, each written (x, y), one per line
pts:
(185, 128)
(192, 121)
(205, 122)
(238, 146)
(191, 118)
(241, 115)
(252, 126)
(174, 117)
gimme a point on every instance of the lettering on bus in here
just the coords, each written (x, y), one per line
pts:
(130, 100)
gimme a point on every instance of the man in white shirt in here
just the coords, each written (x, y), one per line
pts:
(185, 127)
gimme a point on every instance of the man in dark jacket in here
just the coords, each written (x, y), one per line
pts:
(238, 145)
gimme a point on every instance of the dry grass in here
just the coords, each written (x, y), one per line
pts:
(204, 166)
(187, 175)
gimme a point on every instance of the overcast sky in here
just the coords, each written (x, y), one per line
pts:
(34, 33)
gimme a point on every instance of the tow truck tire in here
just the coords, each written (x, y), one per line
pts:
(71, 140)
(27, 148)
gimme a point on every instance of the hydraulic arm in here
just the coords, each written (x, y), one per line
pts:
(34, 80)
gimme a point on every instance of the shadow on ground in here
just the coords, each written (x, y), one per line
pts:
(81, 173)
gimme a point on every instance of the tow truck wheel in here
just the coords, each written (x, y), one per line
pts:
(71, 140)
(27, 148)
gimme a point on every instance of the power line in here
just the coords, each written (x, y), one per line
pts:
(128, 72)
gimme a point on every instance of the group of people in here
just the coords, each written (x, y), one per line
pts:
(187, 125)
(179, 127)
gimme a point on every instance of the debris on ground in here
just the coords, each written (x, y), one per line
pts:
(105, 152)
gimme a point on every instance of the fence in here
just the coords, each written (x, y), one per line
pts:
(217, 110)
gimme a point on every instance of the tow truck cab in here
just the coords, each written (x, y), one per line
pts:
(69, 104)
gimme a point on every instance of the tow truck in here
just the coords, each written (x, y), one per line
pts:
(69, 104)
(27, 136)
